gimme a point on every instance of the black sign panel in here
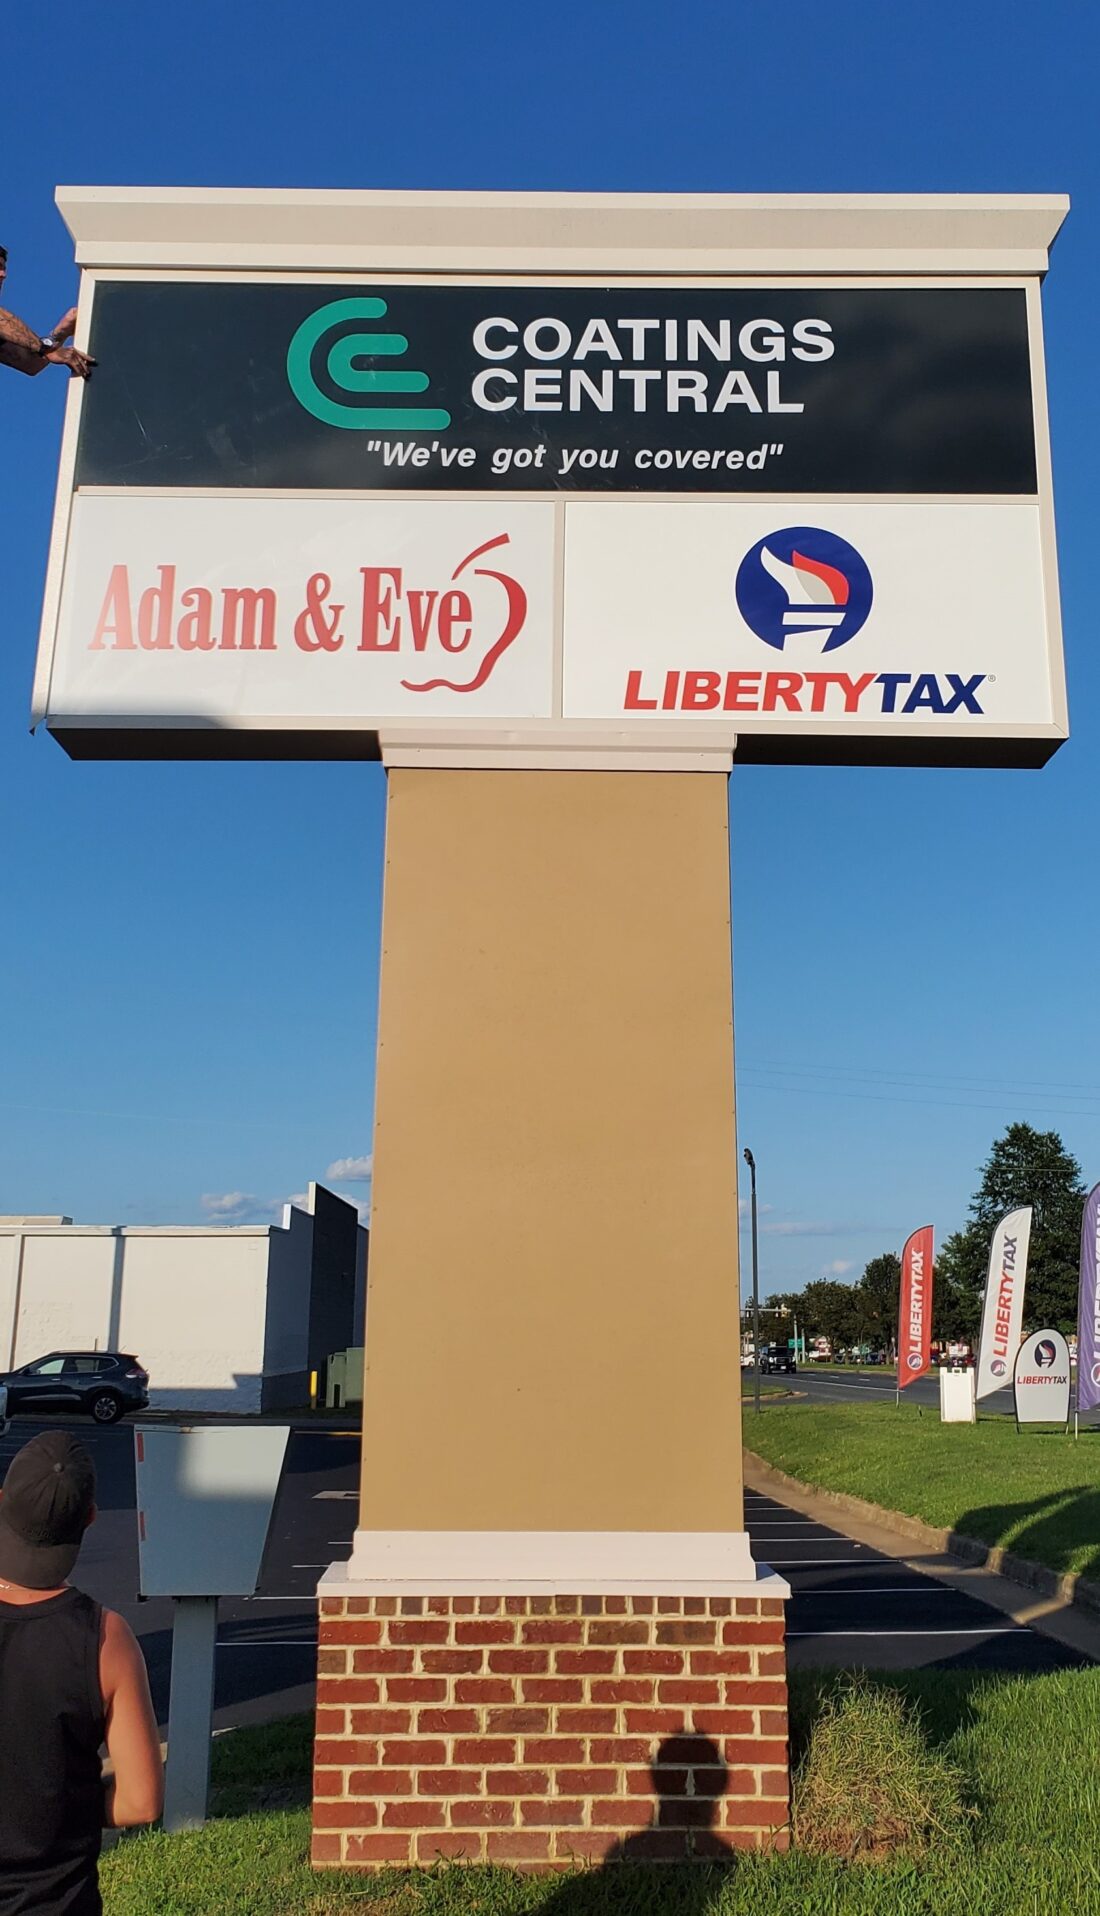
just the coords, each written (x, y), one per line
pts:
(643, 389)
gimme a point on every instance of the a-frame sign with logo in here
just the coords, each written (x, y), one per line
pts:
(1041, 1380)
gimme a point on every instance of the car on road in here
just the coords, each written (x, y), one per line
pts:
(103, 1385)
(777, 1357)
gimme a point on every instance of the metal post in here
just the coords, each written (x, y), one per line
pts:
(190, 1712)
(751, 1162)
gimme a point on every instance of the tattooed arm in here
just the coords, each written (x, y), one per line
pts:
(22, 349)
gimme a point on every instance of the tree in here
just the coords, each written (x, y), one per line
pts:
(877, 1294)
(1024, 1167)
(832, 1311)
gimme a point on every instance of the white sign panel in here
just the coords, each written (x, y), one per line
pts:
(1042, 1379)
(204, 1502)
(957, 1401)
(1003, 1308)
(230, 610)
(807, 615)
(873, 620)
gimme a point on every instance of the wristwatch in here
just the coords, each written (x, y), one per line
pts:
(48, 343)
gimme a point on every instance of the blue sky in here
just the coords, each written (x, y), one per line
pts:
(188, 971)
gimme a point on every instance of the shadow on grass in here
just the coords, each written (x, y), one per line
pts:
(1049, 1529)
(265, 1767)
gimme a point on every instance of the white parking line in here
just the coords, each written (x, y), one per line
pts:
(781, 1516)
(269, 1643)
(800, 1563)
(875, 1590)
(991, 1630)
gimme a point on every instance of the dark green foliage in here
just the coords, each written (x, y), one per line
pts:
(1024, 1167)
(877, 1293)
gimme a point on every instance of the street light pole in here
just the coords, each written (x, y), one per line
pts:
(751, 1162)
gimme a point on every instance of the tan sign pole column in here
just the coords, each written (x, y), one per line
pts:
(551, 1574)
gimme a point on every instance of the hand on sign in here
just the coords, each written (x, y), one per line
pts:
(79, 364)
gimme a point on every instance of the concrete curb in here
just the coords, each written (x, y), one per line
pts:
(1070, 1587)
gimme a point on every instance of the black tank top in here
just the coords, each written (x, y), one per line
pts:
(51, 1729)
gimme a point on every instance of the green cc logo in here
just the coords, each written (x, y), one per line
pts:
(345, 368)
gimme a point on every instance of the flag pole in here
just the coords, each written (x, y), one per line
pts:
(897, 1341)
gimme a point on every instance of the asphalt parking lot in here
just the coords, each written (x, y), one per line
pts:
(853, 1606)
(850, 1605)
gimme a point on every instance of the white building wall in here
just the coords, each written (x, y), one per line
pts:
(65, 1293)
(192, 1309)
(218, 1315)
(10, 1246)
(191, 1304)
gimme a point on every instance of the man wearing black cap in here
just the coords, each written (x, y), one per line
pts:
(71, 1679)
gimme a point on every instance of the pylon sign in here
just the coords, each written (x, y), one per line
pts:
(807, 510)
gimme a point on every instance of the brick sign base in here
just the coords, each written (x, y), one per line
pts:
(544, 1731)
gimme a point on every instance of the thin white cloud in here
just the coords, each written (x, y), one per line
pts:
(243, 1207)
(351, 1170)
(744, 1208)
(228, 1206)
(839, 1267)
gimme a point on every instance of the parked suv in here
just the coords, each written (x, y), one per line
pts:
(99, 1384)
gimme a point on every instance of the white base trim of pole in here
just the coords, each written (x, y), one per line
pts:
(552, 1562)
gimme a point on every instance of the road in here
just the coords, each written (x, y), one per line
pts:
(873, 1386)
(849, 1606)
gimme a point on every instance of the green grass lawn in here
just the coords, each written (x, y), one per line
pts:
(1038, 1493)
(1025, 1746)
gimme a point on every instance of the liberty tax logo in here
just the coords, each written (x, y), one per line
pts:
(998, 1366)
(1044, 1354)
(803, 590)
(324, 360)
